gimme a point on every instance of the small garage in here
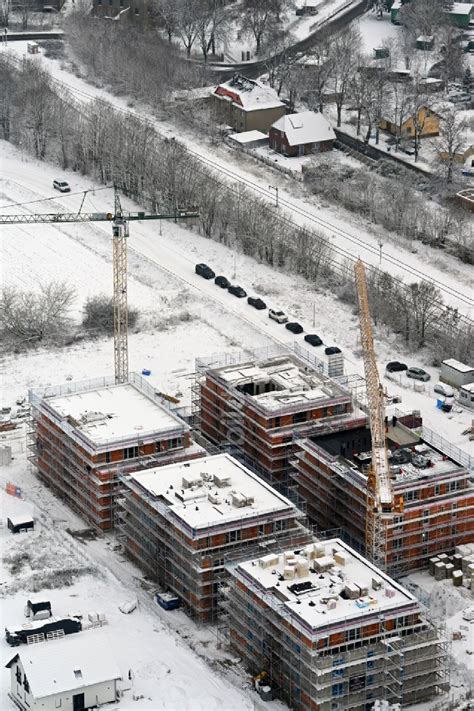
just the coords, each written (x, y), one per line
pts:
(20, 523)
(456, 373)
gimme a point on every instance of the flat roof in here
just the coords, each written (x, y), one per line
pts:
(17, 519)
(457, 365)
(324, 583)
(211, 491)
(248, 136)
(281, 381)
(114, 412)
(69, 663)
(461, 8)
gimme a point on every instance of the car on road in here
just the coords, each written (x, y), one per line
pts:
(418, 374)
(294, 327)
(204, 271)
(62, 186)
(332, 350)
(256, 303)
(278, 316)
(394, 366)
(237, 291)
(443, 389)
(313, 339)
(222, 281)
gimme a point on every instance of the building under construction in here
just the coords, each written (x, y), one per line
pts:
(256, 404)
(180, 523)
(84, 435)
(436, 495)
(325, 629)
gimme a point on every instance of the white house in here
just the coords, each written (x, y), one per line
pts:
(72, 674)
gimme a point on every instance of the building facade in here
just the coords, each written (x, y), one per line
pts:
(256, 404)
(301, 134)
(84, 435)
(247, 104)
(331, 631)
(436, 494)
(182, 522)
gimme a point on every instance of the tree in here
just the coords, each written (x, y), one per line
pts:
(99, 315)
(187, 25)
(451, 141)
(317, 74)
(260, 17)
(28, 318)
(166, 13)
(344, 50)
(424, 302)
(213, 25)
(453, 56)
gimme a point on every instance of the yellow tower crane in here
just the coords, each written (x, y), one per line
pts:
(120, 234)
(380, 497)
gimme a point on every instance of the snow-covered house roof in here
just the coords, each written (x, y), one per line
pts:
(67, 664)
(305, 127)
(250, 94)
(461, 8)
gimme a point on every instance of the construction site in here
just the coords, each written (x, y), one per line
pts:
(332, 631)
(84, 435)
(181, 522)
(256, 404)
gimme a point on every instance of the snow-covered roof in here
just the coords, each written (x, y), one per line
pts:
(457, 365)
(211, 491)
(251, 94)
(307, 585)
(461, 8)
(249, 136)
(114, 412)
(18, 519)
(66, 664)
(305, 127)
(469, 387)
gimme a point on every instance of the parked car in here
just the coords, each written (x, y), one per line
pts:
(332, 350)
(418, 374)
(443, 389)
(278, 316)
(313, 339)
(294, 327)
(204, 271)
(237, 291)
(222, 281)
(256, 303)
(62, 186)
(395, 366)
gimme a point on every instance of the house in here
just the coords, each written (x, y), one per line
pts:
(21, 522)
(181, 522)
(466, 395)
(332, 631)
(461, 13)
(86, 433)
(302, 134)
(247, 104)
(427, 120)
(425, 42)
(71, 673)
(456, 373)
(464, 155)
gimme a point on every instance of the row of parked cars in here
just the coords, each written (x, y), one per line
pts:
(276, 315)
(419, 374)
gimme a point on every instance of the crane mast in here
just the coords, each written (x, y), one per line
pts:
(120, 235)
(379, 487)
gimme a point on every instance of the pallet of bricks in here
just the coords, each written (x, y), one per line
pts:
(459, 566)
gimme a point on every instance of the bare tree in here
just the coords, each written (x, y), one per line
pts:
(28, 318)
(166, 13)
(453, 57)
(450, 142)
(260, 17)
(317, 74)
(344, 49)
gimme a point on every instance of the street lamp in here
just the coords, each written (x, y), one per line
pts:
(272, 187)
(380, 243)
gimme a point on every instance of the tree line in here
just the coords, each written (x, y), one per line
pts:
(160, 174)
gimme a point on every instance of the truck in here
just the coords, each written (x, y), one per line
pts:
(39, 630)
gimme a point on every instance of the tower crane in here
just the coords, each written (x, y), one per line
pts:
(381, 503)
(120, 233)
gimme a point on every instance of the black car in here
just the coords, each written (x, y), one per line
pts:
(237, 291)
(256, 303)
(332, 350)
(313, 339)
(395, 366)
(204, 271)
(222, 281)
(294, 327)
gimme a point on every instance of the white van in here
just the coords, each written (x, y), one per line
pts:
(443, 389)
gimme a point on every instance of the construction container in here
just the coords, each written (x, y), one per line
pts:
(449, 570)
(440, 571)
(466, 562)
(457, 561)
(457, 578)
(5, 456)
(433, 562)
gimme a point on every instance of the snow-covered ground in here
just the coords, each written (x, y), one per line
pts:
(350, 236)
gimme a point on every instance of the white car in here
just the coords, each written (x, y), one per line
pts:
(278, 316)
(443, 389)
(62, 186)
